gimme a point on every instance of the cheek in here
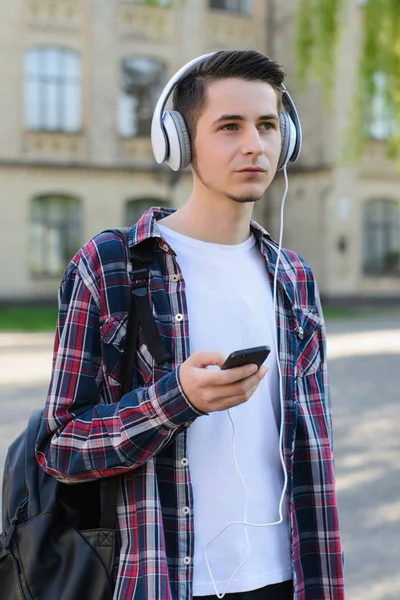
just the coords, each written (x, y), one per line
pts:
(273, 151)
(210, 157)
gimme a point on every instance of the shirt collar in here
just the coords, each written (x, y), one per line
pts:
(147, 227)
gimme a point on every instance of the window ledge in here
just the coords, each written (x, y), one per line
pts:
(379, 286)
(229, 28)
(54, 144)
(138, 147)
(53, 132)
(65, 13)
(147, 23)
(392, 275)
(375, 161)
(235, 13)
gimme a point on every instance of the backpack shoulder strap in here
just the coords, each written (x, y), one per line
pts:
(140, 305)
(139, 312)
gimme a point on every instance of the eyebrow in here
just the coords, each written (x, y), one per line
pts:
(271, 116)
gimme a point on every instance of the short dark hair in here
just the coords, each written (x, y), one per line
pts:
(190, 94)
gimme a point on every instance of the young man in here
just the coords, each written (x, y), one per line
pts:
(186, 481)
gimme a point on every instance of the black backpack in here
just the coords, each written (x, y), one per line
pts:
(58, 541)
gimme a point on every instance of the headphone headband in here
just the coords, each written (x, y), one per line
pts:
(170, 138)
(161, 148)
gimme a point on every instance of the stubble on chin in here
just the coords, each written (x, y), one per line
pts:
(243, 199)
(233, 197)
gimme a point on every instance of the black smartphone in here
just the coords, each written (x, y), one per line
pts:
(254, 356)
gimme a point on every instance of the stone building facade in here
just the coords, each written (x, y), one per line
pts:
(79, 80)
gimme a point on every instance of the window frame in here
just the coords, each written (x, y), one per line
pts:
(381, 125)
(162, 3)
(126, 129)
(52, 89)
(46, 225)
(381, 237)
(237, 7)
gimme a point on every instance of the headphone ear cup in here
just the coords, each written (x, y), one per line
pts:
(179, 151)
(288, 136)
(285, 132)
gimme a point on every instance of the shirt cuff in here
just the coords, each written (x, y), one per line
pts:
(170, 402)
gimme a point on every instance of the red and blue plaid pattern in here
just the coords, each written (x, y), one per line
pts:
(90, 432)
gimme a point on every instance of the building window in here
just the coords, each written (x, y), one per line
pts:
(142, 80)
(149, 2)
(382, 237)
(239, 6)
(55, 228)
(381, 123)
(134, 209)
(52, 79)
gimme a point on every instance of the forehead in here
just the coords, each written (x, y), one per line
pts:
(240, 96)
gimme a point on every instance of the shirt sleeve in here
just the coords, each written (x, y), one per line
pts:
(82, 435)
(325, 379)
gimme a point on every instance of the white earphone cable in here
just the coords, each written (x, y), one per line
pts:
(245, 521)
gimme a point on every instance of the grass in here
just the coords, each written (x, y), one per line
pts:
(342, 313)
(23, 318)
(331, 312)
(44, 318)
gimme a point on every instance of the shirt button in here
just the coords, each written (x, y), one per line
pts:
(178, 317)
(175, 278)
(164, 247)
(186, 560)
(184, 462)
(301, 331)
(186, 510)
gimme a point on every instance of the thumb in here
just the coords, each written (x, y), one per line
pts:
(206, 358)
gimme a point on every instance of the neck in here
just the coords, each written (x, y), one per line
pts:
(212, 218)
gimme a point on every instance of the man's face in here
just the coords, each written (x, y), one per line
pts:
(238, 141)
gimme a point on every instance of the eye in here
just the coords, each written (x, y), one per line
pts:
(229, 127)
(268, 125)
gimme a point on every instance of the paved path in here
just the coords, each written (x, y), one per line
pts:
(364, 366)
(364, 363)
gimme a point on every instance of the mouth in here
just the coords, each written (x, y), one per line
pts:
(252, 170)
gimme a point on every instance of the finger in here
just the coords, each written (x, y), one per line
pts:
(206, 358)
(230, 376)
(236, 400)
(239, 388)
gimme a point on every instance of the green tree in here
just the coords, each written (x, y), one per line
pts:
(319, 25)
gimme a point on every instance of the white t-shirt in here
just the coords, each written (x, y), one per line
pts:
(230, 307)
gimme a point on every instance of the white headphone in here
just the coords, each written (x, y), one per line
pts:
(170, 137)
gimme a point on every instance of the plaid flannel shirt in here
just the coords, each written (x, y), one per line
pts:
(89, 431)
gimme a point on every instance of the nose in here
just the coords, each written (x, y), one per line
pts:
(252, 143)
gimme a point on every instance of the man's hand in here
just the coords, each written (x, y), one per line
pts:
(209, 390)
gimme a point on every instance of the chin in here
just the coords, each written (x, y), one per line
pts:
(243, 196)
